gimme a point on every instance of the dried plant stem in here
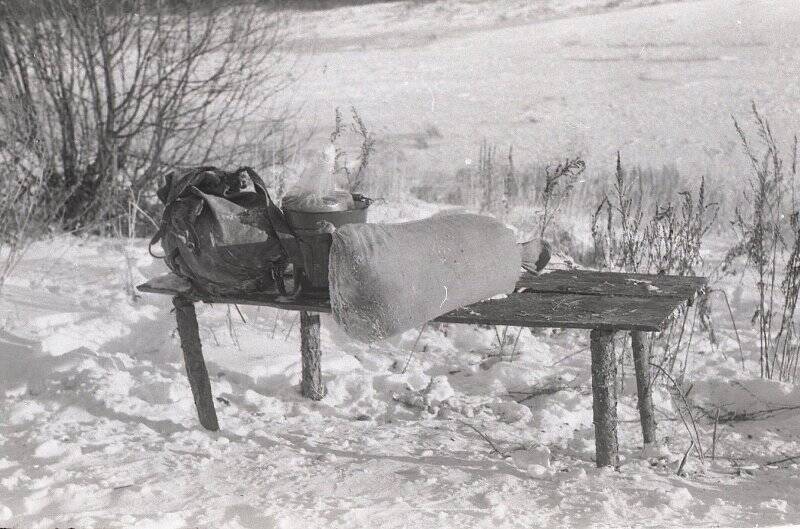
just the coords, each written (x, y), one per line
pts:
(413, 347)
(685, 457)
(240, 313)
(693, 431)
(485, 437)
(291, 326)
(688, 345)
(733, 322)
(714, 436)
(516, 341)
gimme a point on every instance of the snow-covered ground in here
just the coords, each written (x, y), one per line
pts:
(97, 422)
(99, 427)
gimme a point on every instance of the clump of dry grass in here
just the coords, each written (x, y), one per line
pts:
(667, 240)
(496, 185)
(355, 176)
(558, 185)
(632, 232)
(767, 225)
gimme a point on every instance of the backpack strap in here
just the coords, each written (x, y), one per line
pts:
(278, 224)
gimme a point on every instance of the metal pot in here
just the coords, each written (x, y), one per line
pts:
(309, 249)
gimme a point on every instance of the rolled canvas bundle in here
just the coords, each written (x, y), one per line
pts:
(388, 278)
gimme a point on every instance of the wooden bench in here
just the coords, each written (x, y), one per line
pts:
(602, 302)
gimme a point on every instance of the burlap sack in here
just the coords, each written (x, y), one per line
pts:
(388, 278)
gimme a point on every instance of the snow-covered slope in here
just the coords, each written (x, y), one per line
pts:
(99, 428)
(658, 83)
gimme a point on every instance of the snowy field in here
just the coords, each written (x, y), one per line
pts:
(98, 423)
(658, 83)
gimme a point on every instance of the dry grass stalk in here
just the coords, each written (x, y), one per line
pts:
(767, 226)
(355, 177)
(484, 437)
(679, 397)
(630, 235)
(667, 242)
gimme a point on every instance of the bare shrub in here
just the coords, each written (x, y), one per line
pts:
(119, 91)
(23, 193)
(767, 225)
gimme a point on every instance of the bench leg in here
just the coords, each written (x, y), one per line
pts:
(604, 391)
(195, 365)
(311, 386)
(641, 363)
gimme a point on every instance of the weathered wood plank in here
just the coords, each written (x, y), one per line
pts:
(570, 311)
(557, 281)
(174, 285)
(526, 309)
(613, 284)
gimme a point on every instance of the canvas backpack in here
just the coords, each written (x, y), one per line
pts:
(220, 230)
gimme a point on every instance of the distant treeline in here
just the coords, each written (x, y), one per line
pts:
(24, 9)
(330, 4)
(304, 5)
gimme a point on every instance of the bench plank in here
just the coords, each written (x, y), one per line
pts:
(524, 309)
(569, 311)
(613, 284)
(173, 285)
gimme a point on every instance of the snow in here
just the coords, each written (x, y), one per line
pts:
(100, 429)
(555, 78)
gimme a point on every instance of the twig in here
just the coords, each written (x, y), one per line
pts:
(275, 325)
(688, 410)
(738, 339)
(240, 313)
(485, 438)
(213, 335)
(784, 460)
(516, 341)
(673, 357)
(539, 392)
(689, 344)
(144, 213)
(750, 416)
(231, 330)
(579, 351)
(714, 436)
(500, 342)
(685, 457)
(414, 346)
(289, 332)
